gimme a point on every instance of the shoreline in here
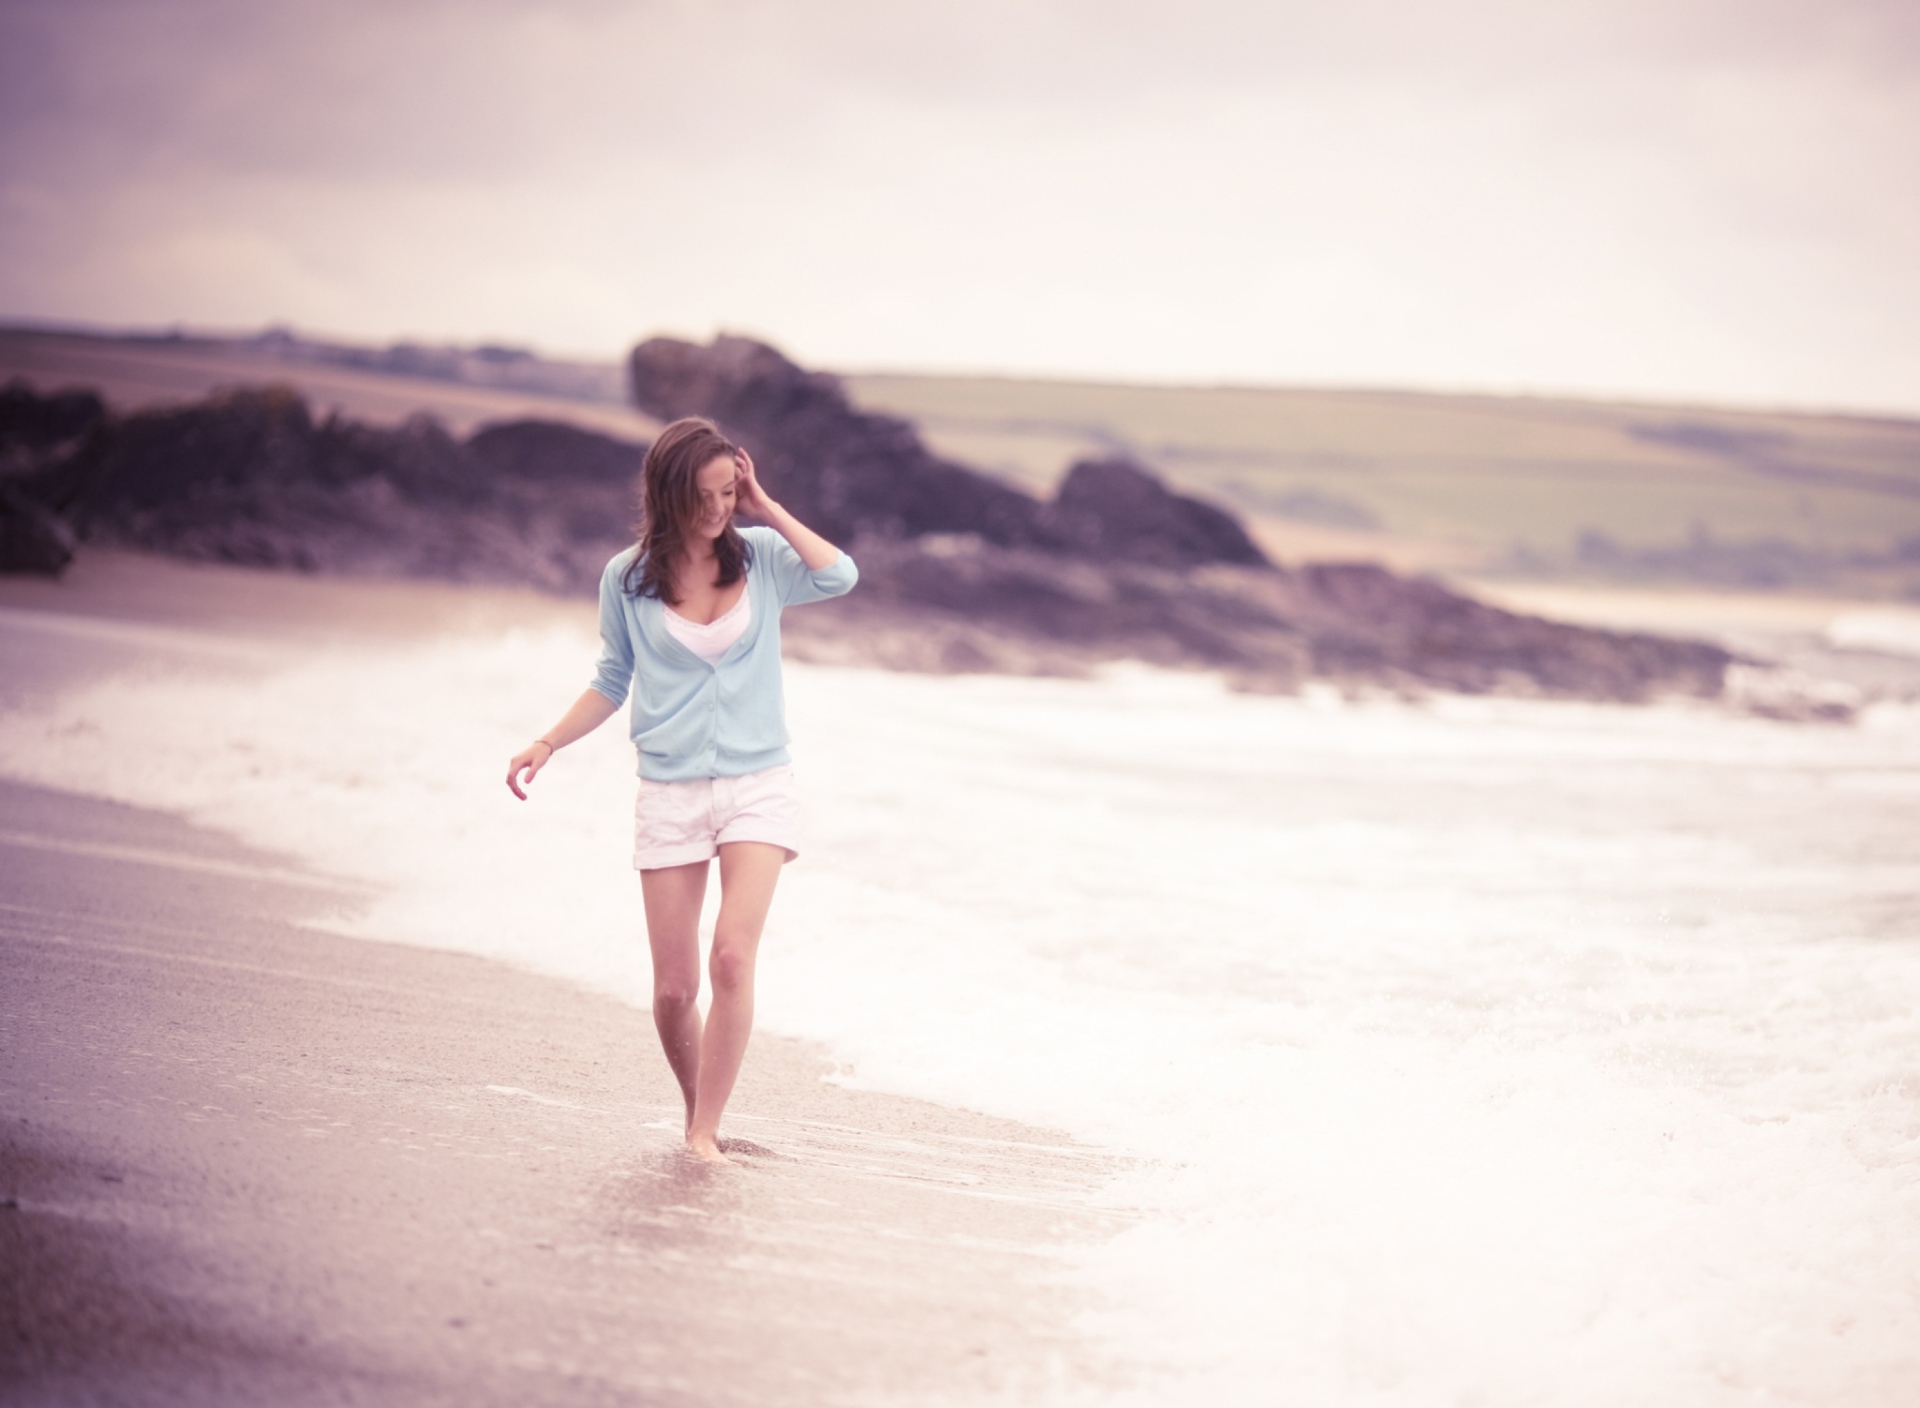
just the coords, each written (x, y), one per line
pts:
(1445, 1063)
(127, 585)
(123, 584)
(131, 584)
(247, 1160)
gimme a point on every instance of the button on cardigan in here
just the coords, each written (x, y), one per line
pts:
(691, 719)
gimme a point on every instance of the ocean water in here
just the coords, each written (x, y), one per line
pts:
(1462, 1052)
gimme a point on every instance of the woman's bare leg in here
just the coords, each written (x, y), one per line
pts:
(748, 872)
(673, 897)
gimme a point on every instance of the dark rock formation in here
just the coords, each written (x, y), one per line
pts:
(1364, 621)
(857, 475)
(548, 452)
(848, 473)
(1115, 511)
(251, 454)
(249, 477)
(32, 537)
(1116, 566)
(958, 571)
(578, 484)
(36, 432)
(35, 427)
(959, 603)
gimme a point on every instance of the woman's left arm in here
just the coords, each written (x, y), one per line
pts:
(814, 550)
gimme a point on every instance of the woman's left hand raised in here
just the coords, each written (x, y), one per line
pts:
(747, 493)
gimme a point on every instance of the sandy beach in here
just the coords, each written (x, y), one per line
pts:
(247, 1161)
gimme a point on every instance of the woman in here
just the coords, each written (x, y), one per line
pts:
(690, 618)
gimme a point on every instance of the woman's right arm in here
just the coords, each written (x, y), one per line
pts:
(589, 711)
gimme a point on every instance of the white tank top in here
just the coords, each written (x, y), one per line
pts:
(713, 640)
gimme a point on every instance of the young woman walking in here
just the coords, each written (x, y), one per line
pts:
(690, 621)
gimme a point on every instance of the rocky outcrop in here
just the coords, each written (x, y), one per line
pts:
(573, 489)
(547, 452)
(32, 537)
(958, 571)
(1363, 621)
(250, 477)
(1113, 510)
(35, 428)
(959, 603)
(848, 473)
(854, 474)
(37, 432)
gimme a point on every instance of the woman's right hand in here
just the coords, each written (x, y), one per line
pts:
(528, 761)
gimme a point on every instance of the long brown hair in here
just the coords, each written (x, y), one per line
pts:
(670, 500)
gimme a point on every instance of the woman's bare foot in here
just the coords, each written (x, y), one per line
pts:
(707, 1151)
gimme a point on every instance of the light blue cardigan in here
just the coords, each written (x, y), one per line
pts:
(691, 719)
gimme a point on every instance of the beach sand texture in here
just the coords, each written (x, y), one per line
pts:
(246, 1161)
(1402, 1053)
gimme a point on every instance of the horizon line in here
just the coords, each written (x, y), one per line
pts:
(183, 332)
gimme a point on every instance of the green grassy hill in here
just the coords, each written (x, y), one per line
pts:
(1531, 485)
(131, 373)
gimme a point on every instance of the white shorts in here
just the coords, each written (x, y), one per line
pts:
(678, 823)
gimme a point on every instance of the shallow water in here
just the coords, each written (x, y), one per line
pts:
(1489, 1052)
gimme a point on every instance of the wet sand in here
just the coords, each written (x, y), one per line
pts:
(113, 584)
(245, 1161)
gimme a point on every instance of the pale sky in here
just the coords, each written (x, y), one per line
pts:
(1683, 199)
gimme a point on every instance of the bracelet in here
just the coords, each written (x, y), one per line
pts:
(551, 750)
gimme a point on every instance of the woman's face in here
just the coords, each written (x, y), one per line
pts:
(715, 481)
